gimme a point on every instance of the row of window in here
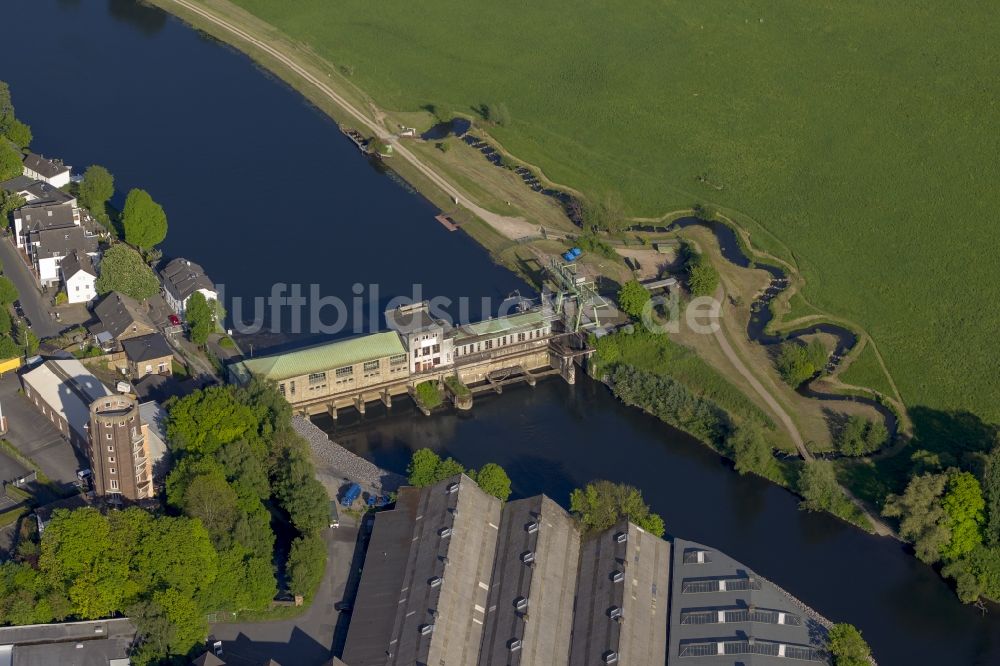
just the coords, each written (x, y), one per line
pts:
(503, 341)
(427, 351)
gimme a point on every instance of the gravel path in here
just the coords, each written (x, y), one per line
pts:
(334, 460)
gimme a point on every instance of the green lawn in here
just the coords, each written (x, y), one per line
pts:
(864, 135)
(865, 370)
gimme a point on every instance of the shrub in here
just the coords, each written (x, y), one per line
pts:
(601, 504)
(632, 298)
(428, 394)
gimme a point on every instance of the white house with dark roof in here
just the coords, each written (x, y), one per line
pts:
(182, 278)
(53, 172)
(49, 233)
(79, 276)
(36, 192)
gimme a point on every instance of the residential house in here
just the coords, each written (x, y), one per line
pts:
(122, 317)
(182, 278)
(50, 246)
(53, 172)
(148, 355)
(79, 276)
(39, 217)
(37, 192)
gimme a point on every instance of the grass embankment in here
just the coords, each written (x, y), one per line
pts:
(660, 357)
(797, 115)
(456, 386)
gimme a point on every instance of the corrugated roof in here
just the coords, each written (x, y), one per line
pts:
(68, 388)
(326, 356)
(501, 325)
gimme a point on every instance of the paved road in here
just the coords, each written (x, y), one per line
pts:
(309, 639)
(36, 306)
(35, 436)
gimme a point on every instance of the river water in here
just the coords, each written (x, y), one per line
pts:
(260, 188)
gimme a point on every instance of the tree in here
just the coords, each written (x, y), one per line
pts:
(977, 574)
(632, 298)
(493, 479)
(847, 647)
(9, 202)
(8, 348)
(601, 504)
(8, 292)
(991, 488)
(859, 436)
(796, 363)
(964, 507)
(206, 419)
(211, 499)
(143, 220)
(6, 108)
(306, 563)
(299, 492)
(819, 487)
(751, 452)
(427, 468)
(6, 324)
(97, 186)
(922, 520)
(199, 317)
(702, 278)
(10, 161)
(19, 133)
(123, 270)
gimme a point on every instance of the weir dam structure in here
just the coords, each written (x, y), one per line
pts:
(533, 341)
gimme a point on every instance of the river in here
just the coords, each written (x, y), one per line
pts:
(260, 188)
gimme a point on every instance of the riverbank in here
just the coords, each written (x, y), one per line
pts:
(331, 89)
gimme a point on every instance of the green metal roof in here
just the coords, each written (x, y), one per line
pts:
(326, 356)
(501, 325)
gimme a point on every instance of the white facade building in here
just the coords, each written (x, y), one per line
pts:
(80, 278)
(54, 173)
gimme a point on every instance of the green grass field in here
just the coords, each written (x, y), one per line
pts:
(866, 371)
(864, 135)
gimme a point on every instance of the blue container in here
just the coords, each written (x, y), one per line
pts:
(568, 256)
(576, 252)
(351, 494)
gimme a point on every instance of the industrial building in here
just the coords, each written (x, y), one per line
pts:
(423, 594)
(450, 577)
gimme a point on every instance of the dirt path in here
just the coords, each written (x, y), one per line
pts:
(511, 227)
(880, 527)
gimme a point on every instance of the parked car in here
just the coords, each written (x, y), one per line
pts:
(174, 320)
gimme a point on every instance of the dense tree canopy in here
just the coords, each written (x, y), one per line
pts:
(632, 298)
(493, 479)
(19, 133)
(859, 436)
(143, 220)
(991, 489)
(199, 317)
(123, 270)
(8, 292)
(93, 565)
(97, 186)
(427, 468)
(601, 504)
(922, 519)
(847, 647)
(306, 561)
(964, 507)
(10, 160)
(751, 452)
(702, 278)
(797, 362)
